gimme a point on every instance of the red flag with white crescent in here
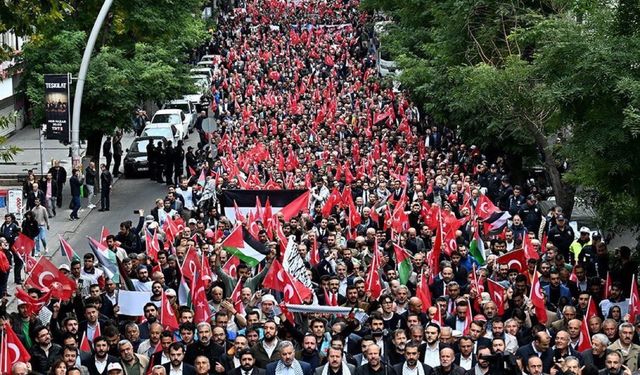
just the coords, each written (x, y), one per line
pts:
(634, 301)
(11, 350)
(537, 298)
(200, 303)
(496, 292)
(230, 267)
(168, 316)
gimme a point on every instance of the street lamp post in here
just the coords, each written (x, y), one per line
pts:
(82, 75)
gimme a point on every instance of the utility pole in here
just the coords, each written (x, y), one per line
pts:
(82, 75)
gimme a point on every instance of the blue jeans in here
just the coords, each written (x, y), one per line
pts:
(42, 237)
(75, 205)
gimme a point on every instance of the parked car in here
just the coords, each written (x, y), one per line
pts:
(187, 107)
(136, 163)
(202, 72)
(175, 117)
(164, 130)
(202, 83)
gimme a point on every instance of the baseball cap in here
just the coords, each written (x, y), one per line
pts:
(193, 221)
(65, 267)
(114, 366)
(585, 230)
(560, 217)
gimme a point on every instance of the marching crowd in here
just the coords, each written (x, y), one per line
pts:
(409, 241)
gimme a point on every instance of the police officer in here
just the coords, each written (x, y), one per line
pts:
(168, 163)
(152, 159)
(160, 158)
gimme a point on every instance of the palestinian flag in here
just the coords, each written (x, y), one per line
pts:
(496, 222)
(246, 247)
(106, 258)
(68, 251)
(403, 262)
(239, 203)
(476, 249)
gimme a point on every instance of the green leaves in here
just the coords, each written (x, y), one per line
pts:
(558, 79)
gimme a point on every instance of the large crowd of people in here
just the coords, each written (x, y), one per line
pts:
(300, 105)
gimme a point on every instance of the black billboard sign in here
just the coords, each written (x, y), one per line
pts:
(57, 107)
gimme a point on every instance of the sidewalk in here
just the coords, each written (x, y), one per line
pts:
(28, 139)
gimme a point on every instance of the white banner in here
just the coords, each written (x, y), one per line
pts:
(293, 263)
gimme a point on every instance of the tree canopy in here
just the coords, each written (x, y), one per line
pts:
(552, 81)
(140, 56)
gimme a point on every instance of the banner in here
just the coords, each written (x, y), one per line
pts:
(293, 263)
(246, 200)
(56, 106)
(360, 314)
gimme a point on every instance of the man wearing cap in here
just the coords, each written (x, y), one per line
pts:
(581, 242)
(531, 215)
(561, 236)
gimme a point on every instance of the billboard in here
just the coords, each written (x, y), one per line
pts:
(57, 107)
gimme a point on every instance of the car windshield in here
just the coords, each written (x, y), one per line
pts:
(139, 146)
(167, 118)
(161, 132)
(182, 106)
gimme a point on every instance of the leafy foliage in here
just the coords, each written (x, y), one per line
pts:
(554, 79)
(140, 57)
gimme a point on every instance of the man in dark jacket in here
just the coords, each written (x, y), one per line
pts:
(43, 352)
(117, 153)
(106, 180)
(75, 183)
(106, 151)
(100, 356)
(90, 179)
(412, 361)
(60, 175)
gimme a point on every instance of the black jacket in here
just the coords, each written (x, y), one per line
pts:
(106, 179)
(40, 362)
(426, 368)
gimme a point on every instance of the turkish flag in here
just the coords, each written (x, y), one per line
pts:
(591, 309)
(314, 254)
(423, 292)
(294, 291)
(450, 242)
(44, 273)
(467, 319)
(607, 286)
(205, 269)
(537, 298)
(230, 267)
(23, 245)
(634, 301)
(62, 287)
(200, 303)
(168, 316)
(191, 264)
(11, 349)
(236, 297)
(433, 256)
(372, 283)
(33, 305)
(585, 339)
(529, 251)
(485, 207)
(151, 244)
(295, 207)
(514, 259)
(496, 292)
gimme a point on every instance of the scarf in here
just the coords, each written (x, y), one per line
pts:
(419, 368)
(345, 369)
(297, 369)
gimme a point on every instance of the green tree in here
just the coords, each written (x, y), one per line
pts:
(556, 80)
(141, 56)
